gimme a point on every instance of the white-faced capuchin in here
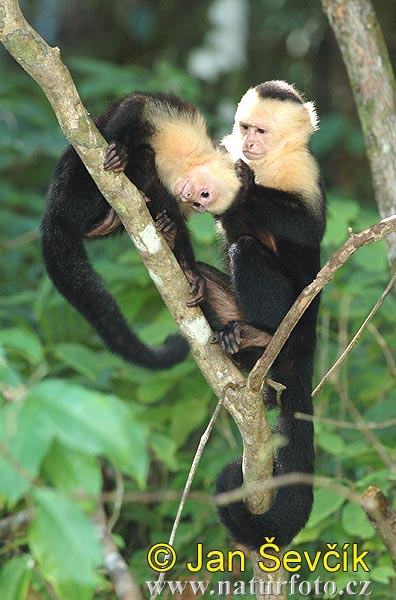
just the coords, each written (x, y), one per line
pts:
(273, 230)
(161, 144)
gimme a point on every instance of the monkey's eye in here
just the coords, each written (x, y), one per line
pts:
(243, 126)
(205, 194)
(259, 130)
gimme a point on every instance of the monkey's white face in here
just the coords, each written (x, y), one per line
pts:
(198, 188)
(257, 139)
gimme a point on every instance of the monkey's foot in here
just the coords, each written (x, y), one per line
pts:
(110, 223)
(229, 338)
(116, 158)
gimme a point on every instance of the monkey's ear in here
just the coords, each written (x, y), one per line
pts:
(313, 116)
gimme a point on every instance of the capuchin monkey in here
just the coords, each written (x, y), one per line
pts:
(161, 144)
(273, 229)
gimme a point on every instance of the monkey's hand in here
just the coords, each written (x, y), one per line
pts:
(244, 173)
(116, 158)
(197, 287)
(109, 224)
(167, 227)
(229, 338)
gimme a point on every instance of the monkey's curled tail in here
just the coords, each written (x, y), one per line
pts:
(292, 504)
(69, 268)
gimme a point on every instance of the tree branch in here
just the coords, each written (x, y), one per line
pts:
(366, 323)
(375, 233)
(382, 517)
(124, 585)
(44, 65)
(369, 70)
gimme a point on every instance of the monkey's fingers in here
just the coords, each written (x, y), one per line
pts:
(244, 172)
(109, 224)
(197, 287)
(197, 291)
(229, 338)
(116, 158)
(167, 227)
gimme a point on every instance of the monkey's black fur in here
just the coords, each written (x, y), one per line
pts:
(75, 206)
(273, 246)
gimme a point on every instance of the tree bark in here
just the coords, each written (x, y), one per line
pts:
(373, 84)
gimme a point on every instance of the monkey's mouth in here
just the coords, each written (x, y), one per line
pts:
(198, 207)
(251, 155)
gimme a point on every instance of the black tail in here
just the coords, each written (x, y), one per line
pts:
(292, 504)
(69, 268)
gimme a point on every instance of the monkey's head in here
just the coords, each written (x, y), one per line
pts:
(210, 185)
(271, 118)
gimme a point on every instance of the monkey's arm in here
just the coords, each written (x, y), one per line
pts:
(287, 216)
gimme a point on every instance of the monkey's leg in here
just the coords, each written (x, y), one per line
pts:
(110, 223)
(225, 316)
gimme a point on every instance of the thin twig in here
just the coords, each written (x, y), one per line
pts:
(346, 424)
(357, 335)
(190, 478)
(368, 433)
(13, 523)
(124, 584)
(382, 517)
(385, 348)
(372, 234)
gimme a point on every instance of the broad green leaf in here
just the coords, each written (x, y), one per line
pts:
(72, 471)
(25, 437)
(15, 578)
(93, 423)
(355, 521)
(81, 359)
(65, 543)
(326, 503)
(23, 341)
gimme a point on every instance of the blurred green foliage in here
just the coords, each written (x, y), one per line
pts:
(76, 420)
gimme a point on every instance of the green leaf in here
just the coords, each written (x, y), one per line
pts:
(93, 423)
(65, 544)
(81, 359)
(25, 437)
(15, 578)
(355, 522)
(24, 342)
(326, 503)
(72, 471)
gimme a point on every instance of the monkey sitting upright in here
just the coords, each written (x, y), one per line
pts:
(273, 229)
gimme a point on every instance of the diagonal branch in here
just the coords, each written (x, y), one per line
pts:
(375, 233)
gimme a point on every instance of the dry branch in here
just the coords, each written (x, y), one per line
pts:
(382, 517)
(375, 233)
(44, 65)
(372, 82)
(124, 584)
